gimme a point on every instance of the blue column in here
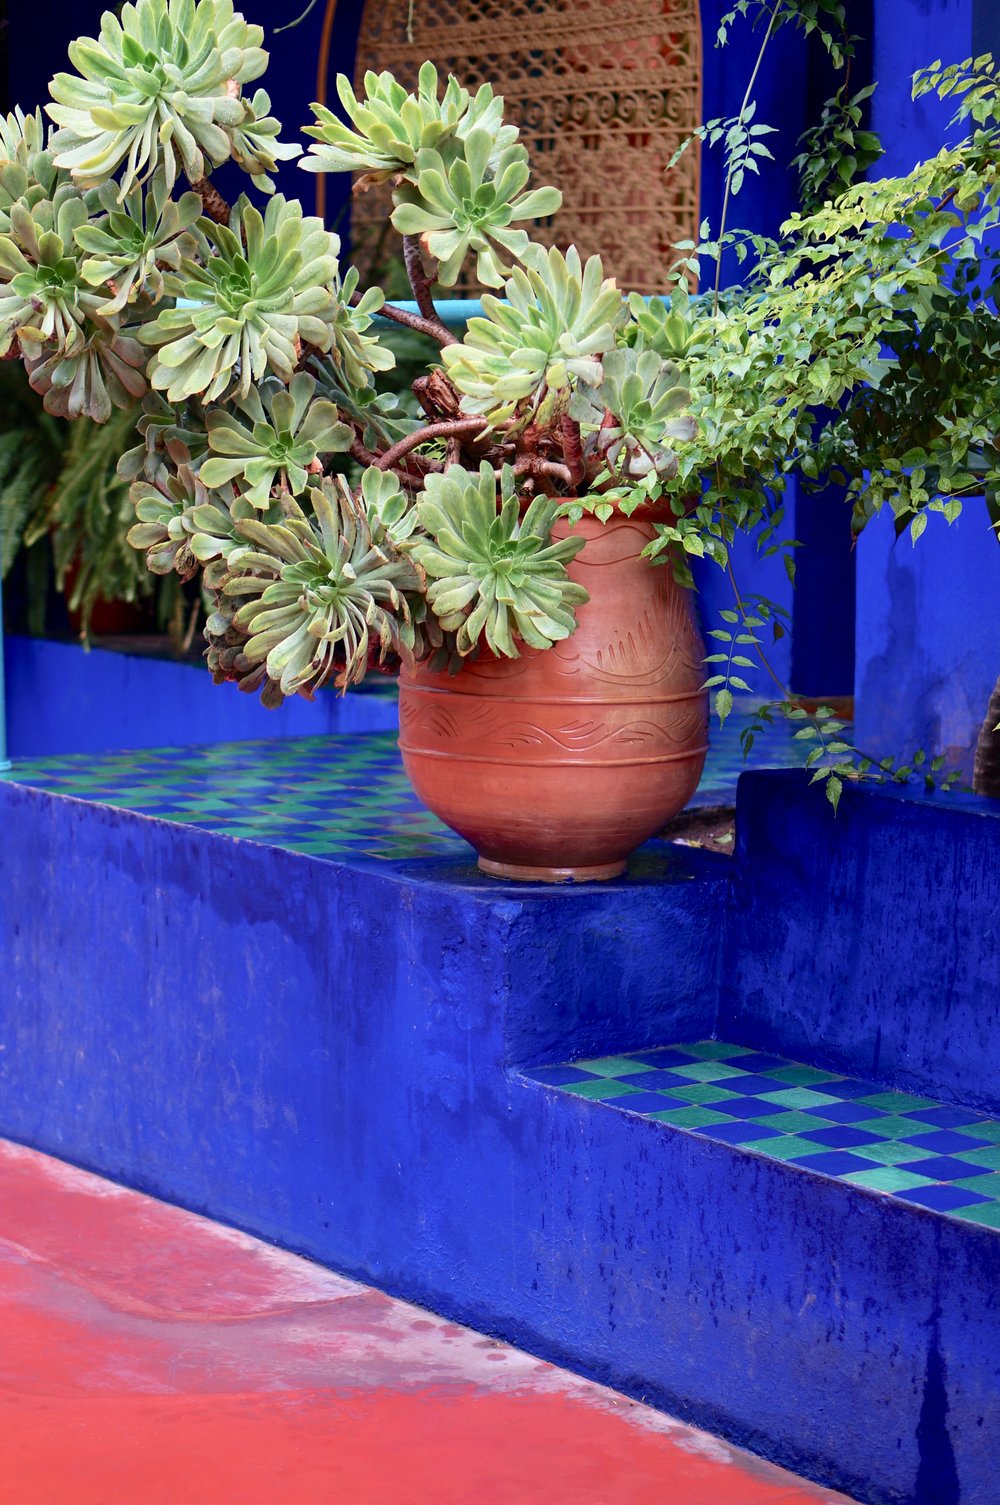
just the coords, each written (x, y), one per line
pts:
(928, 617)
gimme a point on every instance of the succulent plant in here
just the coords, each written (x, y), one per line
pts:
(669, 326)
(102, 370)
(180, 523)
(354, 350)
(263, 357)
(267, 289)
(392, 126)
(169, 437)
(634, 412)
(133, 243)
(160, 528)
(81, 363)
(323, 593)
(287, 432)
(468, 204)
(254, 143)
(28, 175)
(559, 317)
(227, 662)
(22, 136)
(378, 416)
(386, 505)
(43, 296)
(158, 91)
(491, 573)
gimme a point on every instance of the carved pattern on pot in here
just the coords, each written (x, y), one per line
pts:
(641, 656)
(486, 726)
(609, 546)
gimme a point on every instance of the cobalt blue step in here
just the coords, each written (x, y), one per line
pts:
(925, 1153)
(339, 1048)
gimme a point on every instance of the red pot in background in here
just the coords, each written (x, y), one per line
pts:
(558, 764)
(108, 618)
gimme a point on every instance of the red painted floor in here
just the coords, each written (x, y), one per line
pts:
(150, 1357)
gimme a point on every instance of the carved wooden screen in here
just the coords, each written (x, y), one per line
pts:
(603, 91)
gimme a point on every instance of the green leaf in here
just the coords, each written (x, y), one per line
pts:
(723, 705)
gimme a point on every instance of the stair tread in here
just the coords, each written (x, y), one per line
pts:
(930, 1154)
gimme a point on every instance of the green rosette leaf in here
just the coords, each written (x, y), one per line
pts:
(269, 287)
(320, 595)
(470, 204)
(158, 92)
(558, 319)
(493, 575)
(635, 412)
(273, 437)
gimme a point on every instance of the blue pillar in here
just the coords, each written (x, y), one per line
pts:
(928, 637)
(928, 616)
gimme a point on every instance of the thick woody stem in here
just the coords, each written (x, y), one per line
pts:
(212, 202)
(534, 466)
(365, 456)
(572, 445)
(419, 280)
(433, 431)
(432, 327)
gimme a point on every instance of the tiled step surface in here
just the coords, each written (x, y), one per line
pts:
(339, 797)
(932, 1154)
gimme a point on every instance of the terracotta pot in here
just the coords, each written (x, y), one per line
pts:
(108, 618)
(556, 765)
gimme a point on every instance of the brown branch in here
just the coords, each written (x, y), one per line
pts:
(419, 280)
(433, 431)
(358, 451)
(212, 202)
(533, 466)
(573, 450)
(432, 327)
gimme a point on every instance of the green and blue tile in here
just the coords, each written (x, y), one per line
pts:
(935, 1155)
(337, 797)
(342, 797)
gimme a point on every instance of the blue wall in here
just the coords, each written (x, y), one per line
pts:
(329, 1056)
(928, 620)
(928, 636)
(62, 699)
(868, 943)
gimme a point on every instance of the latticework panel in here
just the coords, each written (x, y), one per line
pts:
(603, 90)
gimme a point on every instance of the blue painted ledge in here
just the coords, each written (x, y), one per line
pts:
(62, 698)
(337, 1055)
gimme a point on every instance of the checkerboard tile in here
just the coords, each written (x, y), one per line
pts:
(343, 797)
(934, 1155)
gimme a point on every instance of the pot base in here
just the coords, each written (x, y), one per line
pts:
(518, 872)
